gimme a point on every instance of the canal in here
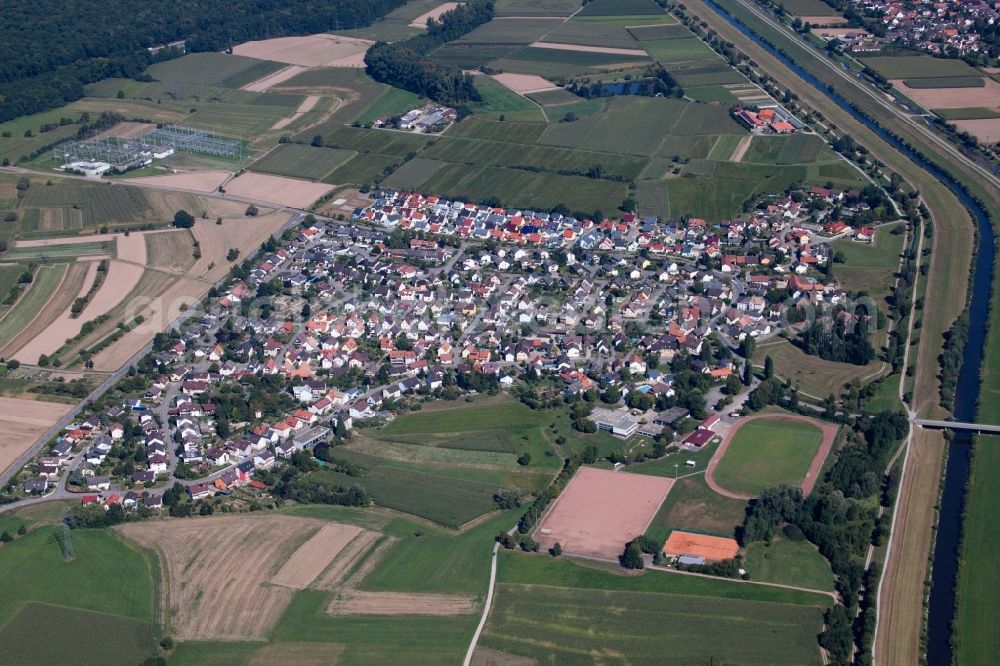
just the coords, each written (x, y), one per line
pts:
(945, 568)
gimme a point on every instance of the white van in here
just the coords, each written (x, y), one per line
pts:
(690, 463)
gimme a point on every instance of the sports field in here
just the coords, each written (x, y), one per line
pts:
(766, 452)
(600, 511)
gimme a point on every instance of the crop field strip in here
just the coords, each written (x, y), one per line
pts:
(300, 161)
(47, 279)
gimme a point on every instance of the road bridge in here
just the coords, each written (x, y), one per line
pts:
(982, 428)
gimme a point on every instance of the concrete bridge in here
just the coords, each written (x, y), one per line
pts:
(982, 428)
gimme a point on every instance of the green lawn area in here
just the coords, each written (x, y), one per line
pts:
(562, 611)
(790, 563)
(766, 453)
(870, 267)
(691, 505)
(108, 575)
(977, 640)
(919, 67)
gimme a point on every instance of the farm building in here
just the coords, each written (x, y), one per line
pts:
(700, 548)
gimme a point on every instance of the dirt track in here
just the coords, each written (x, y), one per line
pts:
(829, 431)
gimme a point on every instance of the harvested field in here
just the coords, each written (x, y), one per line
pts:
(421, 21)
(599, 511)
(132, 247)
(984, 129)
(39, 334)
(171, 251)
(245, 234)
(282, 75)
(400, 603)
(335, 574)
(200, 181)
(589, 49)
(65, 326)
(208, 596)
(22, 422)
(525, 83)
(952, 98)
(309, 561)
(277, 189)
(298, 653)
(126, 130)
(157, 313)
(309, 51)
(825, 20)
(118, 284)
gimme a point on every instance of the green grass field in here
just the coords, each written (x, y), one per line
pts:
(691, 505)
(560, 63)
(976, 640)
(870, 267)
(393, 102)
(298, 161)
(723, 193)
(560, 611)
(31, 302)
(238, 121)
(789, 563)
(974, 113)
(679, 50)
(215, 69)
(536, 7)
(793, 149)
(809, 8)
(593, 33)
(766, 453)
(499, 100)
(947, 82)
(413, 174)
(620, 8)
(108, 575)
(919, 67)
(510, 32)
(81, 637)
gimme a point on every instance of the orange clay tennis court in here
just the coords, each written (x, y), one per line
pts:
(712, 548)
(599, 511)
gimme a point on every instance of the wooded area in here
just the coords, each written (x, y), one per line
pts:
(52, 48)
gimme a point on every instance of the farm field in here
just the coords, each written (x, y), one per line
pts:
(945, 97)
(561, 63)
(277, 189)
(30, 302)
(213, 69)
(557, 610)
(535, 7)
(809, 8)
(789, 563)
(767, 452)
(22, 422)
(52, 325)
(919, 67)
(499, 100)
(108, 575)
(299, 161)
(200, 603)
(84, 637)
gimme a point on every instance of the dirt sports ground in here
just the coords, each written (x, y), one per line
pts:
(231, 577)
(21, 422)
(600, 511)
(829, 431)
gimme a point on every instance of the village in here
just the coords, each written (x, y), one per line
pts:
(417, 298)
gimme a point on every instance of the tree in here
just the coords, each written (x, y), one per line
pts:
(6, 537)
(747, 373)
(22, 530)
(233, 254)
(556, 550)
(317, 141)
(524, 459)
(768, 367)
(251, 211)
(183, 219)
(632, 557)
